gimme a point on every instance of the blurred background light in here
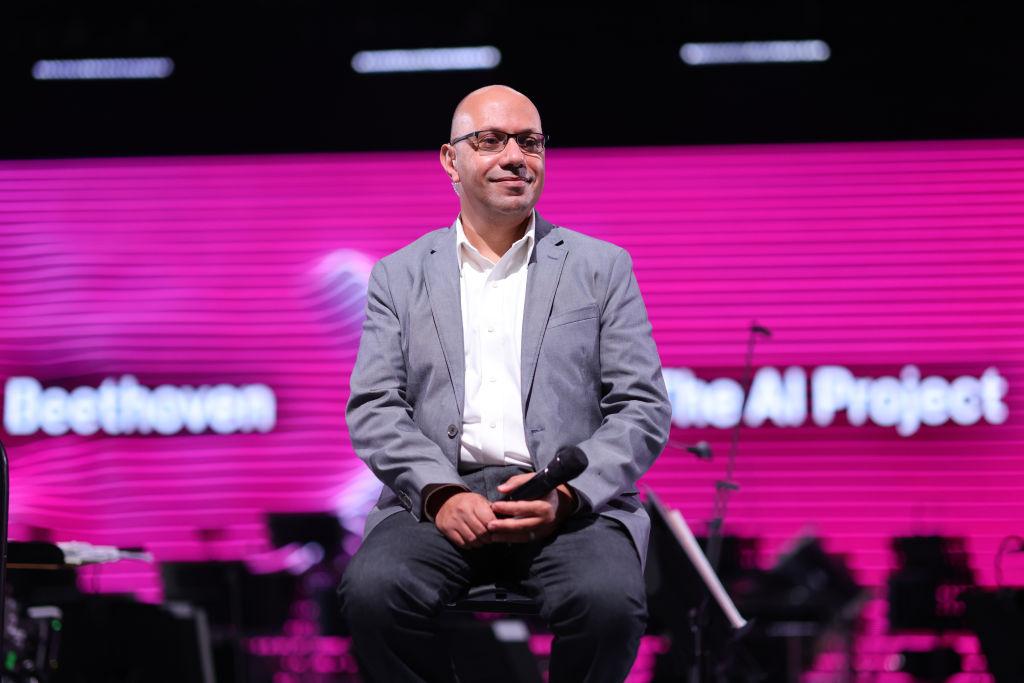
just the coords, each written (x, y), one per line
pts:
(119, 68)
(755, 52)
(428, 59)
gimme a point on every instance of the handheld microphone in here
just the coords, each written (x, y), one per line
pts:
(567, 464)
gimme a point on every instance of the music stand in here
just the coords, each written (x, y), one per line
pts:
(701, 609)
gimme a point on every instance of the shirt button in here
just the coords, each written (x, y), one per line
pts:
(494, 379)
(490, 328)
(494, 285)
(493, 425)
(452, 431)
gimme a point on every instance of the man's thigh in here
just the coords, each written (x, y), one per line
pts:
(592, 560)
(410, 561)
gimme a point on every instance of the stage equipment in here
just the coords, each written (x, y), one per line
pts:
(927, 666)
(727, 485)
(808, 595)
(706, 627)
(997, 617)
(57, 634)
(924, 589)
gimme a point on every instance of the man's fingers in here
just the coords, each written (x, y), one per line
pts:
(476, 528)
(521, 508)
(514, 482)
(455, 537)
(482, 511)
(515, 524)
(463, 519)
(470, 538)
(469, 521)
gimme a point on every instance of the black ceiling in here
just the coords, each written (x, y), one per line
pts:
(274, 75)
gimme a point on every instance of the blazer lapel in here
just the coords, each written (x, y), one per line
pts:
(441, 274)
(545, 268)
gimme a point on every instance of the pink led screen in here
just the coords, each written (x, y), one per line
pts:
(177, 335)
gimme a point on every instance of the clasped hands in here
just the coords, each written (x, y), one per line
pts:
(469, 520)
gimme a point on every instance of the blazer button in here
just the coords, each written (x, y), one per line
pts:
(453, 431)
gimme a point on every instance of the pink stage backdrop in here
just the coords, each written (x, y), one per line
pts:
(177, 335)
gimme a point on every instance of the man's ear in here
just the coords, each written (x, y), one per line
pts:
(448, 162)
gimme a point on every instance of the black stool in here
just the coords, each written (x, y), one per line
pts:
(503, 597)
(496, 651)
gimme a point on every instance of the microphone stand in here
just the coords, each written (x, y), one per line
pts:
(723, 487)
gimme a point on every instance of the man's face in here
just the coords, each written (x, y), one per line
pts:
(506, 183)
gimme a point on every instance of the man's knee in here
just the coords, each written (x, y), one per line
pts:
(603, 602)
(391, 577)
(374, 592)
(361, 587)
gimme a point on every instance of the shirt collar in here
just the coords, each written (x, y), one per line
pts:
(523, 245)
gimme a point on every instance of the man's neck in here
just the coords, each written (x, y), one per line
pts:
(493, 239)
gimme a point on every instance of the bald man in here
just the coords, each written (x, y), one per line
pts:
(489, 346)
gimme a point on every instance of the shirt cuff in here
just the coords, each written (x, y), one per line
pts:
(430, 490)
(577, 500)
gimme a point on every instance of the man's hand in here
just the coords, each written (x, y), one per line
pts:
(529, 520)
(463, 519)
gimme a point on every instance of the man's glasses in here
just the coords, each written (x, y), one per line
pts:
(495, 141)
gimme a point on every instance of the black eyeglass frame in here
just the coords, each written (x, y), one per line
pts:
(508, 136)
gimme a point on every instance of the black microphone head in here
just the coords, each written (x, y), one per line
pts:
(757, 328)
(571, 461)
(702, 449)
(568, 463)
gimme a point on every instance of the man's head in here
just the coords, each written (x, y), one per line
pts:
(495, 186)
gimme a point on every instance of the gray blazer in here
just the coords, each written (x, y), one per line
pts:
(591, 375)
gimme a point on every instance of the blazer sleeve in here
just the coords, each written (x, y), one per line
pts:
(380, 419)
(636, 412)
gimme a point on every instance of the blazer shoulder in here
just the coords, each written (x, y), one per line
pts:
(413, 253)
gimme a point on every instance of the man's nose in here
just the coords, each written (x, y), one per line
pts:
(512, 155)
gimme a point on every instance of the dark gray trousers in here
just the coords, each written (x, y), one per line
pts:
(587, 577)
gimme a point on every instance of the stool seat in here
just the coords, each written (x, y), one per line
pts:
(507, 597)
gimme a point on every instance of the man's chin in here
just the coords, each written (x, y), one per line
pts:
(514, 203)
(519, 209)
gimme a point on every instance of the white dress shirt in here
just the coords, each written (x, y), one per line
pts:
(493, 299)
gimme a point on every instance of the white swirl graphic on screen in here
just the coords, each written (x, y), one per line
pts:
(339, 296)
(338, 293)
